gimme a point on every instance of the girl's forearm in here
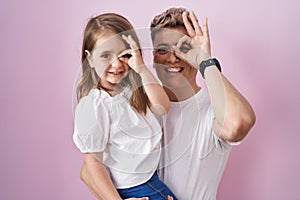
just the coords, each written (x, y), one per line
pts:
(158, 98)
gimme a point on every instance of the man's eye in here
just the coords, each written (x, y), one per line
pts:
(162, 50)
(184, 49)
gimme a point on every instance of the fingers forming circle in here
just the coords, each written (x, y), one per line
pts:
(133, 45)
(184, 39)
(195, 22)
(188, 25)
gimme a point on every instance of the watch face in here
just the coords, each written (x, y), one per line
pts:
(212, 62)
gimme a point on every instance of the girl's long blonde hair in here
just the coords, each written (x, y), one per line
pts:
(89, 78)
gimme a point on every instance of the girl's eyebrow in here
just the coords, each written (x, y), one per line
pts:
(123, 50)
(108, 52)
(101, 52)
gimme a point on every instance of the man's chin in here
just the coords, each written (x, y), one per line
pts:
(172, 84)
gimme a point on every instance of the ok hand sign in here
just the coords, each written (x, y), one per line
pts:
(197, 39)
(132, 56)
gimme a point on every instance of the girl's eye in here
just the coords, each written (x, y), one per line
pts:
(105, 56)
(127, 55)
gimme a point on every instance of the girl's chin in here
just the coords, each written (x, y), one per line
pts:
(113, 83)
(114, 80)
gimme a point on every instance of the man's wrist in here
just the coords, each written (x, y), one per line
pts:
(199, 60)
(207, 63)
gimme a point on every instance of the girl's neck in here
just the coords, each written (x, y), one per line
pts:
(111, 89)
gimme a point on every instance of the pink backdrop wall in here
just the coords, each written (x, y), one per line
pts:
(257, 42)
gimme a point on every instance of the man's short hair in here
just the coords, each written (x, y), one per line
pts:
(170, 18)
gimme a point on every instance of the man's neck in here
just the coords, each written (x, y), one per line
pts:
(181, 94)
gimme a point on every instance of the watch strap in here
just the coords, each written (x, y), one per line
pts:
(210, 62)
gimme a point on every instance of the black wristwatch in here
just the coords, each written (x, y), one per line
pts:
(206, 63)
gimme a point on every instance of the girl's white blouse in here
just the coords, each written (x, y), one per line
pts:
(130, 141)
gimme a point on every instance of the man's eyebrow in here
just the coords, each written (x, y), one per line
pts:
(186, 44)
(163, 44)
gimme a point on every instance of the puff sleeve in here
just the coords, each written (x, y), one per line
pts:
(91, 124)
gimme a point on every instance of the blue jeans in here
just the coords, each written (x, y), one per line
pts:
(154, 188)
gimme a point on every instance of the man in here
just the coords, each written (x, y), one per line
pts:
(202, 124)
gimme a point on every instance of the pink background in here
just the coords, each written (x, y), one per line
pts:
(257, 42)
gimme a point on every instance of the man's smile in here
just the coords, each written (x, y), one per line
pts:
(174, 69)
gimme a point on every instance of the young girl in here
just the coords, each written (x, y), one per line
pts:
(115, 123)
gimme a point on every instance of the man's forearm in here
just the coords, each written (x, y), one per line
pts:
(234, 116)
(85, 177)
(94, 174)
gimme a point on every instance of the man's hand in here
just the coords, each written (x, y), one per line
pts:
(146, 198)
(169, 197)
(194, 47)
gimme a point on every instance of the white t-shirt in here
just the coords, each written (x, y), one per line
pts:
(130, 141)
(193, 157)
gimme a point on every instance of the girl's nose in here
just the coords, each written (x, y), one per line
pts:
(116, 63)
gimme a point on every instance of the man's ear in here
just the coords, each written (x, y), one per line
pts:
(153, 52)
(88, 56)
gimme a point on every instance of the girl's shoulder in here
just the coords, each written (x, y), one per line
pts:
(91, 123)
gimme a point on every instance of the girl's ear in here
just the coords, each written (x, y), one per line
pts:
(89, 58)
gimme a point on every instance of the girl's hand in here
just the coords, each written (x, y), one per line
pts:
(132, 56)
(194, 47)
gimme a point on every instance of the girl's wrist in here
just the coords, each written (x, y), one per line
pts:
(141, 69)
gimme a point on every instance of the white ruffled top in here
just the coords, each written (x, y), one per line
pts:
(130, 141)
